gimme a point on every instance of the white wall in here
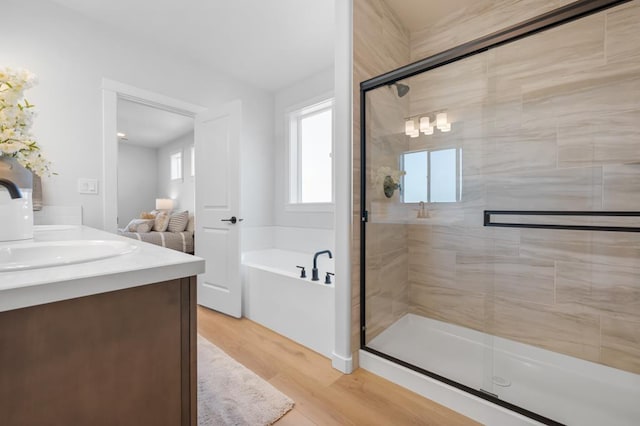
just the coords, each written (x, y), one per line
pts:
(181, 191)
(71, 55)
(256, 152)
(137, 181)
(317, 85)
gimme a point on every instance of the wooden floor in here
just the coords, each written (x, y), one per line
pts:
(322, 395)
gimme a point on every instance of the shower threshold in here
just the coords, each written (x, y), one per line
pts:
(559, 387)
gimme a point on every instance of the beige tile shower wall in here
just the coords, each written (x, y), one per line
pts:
(380, 44)
(387, 276)
(387, 295)
(386, 141)
(477, 19)
(551, 122)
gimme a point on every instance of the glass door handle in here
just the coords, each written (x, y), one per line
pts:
(233, 220)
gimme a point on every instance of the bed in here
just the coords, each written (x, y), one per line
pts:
(181, 241)
(176, 233)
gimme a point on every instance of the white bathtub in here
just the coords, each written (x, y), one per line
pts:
(275, 296)
(560, 387)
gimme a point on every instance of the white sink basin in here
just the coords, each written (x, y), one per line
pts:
(58, 253)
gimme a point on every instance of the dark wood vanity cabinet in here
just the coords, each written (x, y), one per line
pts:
(126, 357)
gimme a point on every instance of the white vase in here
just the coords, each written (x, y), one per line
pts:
(16, 209)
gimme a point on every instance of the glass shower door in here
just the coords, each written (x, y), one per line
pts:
(427, 285)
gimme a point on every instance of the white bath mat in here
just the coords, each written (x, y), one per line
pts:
(231, 394)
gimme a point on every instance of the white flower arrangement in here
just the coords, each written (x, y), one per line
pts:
(16, 118)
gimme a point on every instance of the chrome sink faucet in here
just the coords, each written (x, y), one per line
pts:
(314, 271)
(422, 212)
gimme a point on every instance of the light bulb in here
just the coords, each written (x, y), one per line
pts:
(428, 131)
(446, 128)
(415, 133)
(441, 120)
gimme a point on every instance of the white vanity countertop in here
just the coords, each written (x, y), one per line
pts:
(145, 265)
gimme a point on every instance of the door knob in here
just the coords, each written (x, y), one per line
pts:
(232, 220)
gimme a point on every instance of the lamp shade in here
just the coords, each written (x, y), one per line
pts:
(424, 124)
(164, 203)
(409, 126)
(441, 120)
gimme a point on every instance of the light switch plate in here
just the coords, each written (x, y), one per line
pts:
(87, 186)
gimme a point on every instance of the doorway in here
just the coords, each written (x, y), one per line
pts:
(155, 160)
(114, 92)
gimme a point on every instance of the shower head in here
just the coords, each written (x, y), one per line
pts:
(402, 89)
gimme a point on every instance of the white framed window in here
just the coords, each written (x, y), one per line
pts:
(432, 176)
(193, 161)
(175, 161)
(310, 156)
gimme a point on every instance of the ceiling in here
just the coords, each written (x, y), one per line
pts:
(150, 127)
(270, 44)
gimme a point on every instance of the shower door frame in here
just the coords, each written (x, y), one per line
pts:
(552, 19)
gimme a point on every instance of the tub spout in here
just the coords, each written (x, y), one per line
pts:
(314, 271)
(14, 192)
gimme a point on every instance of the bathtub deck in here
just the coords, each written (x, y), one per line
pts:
(322, 395)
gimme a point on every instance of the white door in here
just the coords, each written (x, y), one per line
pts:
(217, 238)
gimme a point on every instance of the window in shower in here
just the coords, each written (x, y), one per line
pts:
(310, 154)
(432, 176)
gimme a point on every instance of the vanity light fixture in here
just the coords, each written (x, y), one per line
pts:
(426, 126)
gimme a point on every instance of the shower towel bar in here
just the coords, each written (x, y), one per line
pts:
(489, 213)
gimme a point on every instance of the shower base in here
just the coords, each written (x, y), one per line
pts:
(565, 389)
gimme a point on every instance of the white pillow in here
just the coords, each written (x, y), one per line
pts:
(161, 222)
(140, 225)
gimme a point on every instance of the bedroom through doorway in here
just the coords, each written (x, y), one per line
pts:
(156, 175)
(149, 166)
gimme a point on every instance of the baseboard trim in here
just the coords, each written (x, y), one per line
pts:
(342, 364)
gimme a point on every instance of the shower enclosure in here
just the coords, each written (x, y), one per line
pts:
(500, 247)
